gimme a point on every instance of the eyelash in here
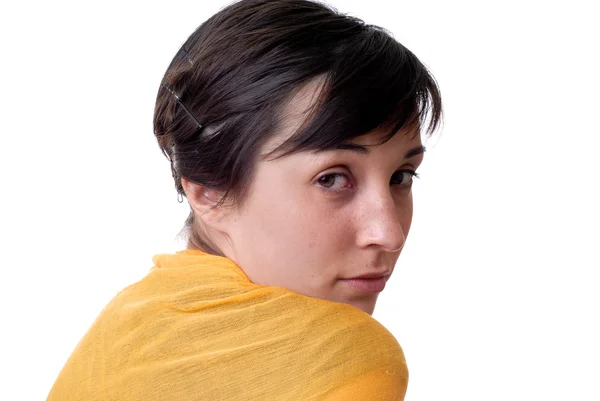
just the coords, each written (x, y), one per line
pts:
(413, 174)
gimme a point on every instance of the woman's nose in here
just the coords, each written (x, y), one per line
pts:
(380, 223)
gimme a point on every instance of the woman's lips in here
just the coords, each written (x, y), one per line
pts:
(367, 285)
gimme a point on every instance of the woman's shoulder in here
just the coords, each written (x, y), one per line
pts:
(212, 299)
(215, 333)
(346, 335)
(280, 338)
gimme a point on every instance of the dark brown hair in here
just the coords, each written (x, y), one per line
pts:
(222, 95)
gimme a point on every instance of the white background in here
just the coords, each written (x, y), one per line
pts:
(496, 296)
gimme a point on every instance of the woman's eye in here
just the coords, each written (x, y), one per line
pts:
(334, 181)
(404, 178)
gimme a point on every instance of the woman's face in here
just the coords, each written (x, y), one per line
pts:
(314, 221)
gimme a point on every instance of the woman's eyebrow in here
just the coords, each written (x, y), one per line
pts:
(416, 151)
(364, 150)
(351, 146)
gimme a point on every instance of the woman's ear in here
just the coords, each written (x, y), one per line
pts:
(204, 202)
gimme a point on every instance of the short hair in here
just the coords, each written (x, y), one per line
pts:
(222, 96)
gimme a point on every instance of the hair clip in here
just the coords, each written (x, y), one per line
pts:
(189, 113)
(186, 53)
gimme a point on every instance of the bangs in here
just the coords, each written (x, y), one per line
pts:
(374, 84)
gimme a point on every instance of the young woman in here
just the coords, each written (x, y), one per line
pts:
(294, 132)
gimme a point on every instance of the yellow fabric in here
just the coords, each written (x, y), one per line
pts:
(196, 328)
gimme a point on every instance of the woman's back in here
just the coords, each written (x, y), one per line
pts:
(196, 328)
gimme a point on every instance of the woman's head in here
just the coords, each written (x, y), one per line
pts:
(294, 132)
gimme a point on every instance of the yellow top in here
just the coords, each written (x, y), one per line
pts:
(196, 328)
